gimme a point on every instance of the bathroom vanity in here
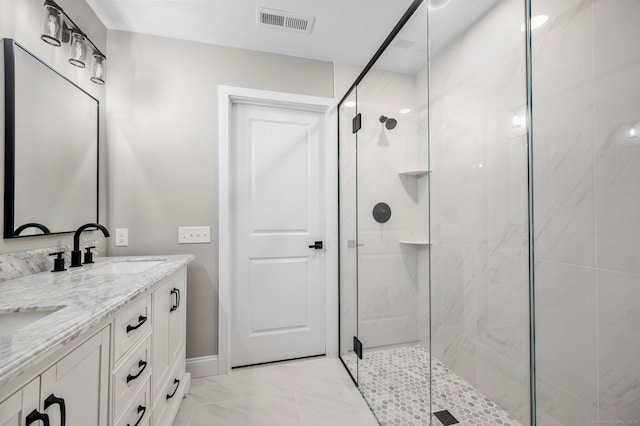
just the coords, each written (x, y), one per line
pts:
(99, 345)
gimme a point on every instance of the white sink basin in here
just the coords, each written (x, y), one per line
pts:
(125, 267)
(12, 321)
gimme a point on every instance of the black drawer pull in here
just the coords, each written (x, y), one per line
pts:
(142, 365)
(177, 293)
(141, 320)
(142, 410)
(177, 383)
(51, 400)
(35, 416)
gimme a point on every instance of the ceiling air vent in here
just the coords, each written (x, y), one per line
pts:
(285, 20)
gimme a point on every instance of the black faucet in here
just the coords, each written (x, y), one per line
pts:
(76, 254)
(40, 226)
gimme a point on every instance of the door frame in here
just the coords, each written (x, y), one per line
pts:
(227, 96)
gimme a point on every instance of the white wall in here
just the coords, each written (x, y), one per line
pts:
(162, 130)
(22, 21)
(586, 173)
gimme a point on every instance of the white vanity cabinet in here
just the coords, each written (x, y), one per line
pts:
(74, 391)
(129, 373)
(169, 381)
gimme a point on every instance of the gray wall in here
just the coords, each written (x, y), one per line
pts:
(22, 21)
(162, 132)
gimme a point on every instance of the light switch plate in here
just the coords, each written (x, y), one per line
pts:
(122, 237)
(194, 234)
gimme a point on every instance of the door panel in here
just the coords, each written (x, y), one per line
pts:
(287, 277)
(278, 293)
(278, 152)
(88, 364)
(347, 176)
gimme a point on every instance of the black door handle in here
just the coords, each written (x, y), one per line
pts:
(317, 245)
(141, 410)
(141, 320)
(177, 383)
(51, 400)
(142, 365)
(35, 416)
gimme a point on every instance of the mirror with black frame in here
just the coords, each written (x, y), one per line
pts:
(51, 148)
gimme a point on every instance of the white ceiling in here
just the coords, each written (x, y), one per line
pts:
(345, 31)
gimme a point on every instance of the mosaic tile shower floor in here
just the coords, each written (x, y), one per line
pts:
(395, 383)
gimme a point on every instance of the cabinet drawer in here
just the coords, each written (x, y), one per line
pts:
(132, 325)
(138, 411)
(131, 374)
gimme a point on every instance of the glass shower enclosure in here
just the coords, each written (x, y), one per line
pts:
(489, 258)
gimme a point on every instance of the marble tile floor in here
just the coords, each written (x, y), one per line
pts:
(314, 391)
(395, 383)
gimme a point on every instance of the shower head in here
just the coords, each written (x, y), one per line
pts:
(389, 123)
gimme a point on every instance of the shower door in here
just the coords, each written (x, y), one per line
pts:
(348, 185)
(392, 228)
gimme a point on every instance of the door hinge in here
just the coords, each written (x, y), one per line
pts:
(357, 123)
(357, 347)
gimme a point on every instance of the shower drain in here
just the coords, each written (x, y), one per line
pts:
(446, 418)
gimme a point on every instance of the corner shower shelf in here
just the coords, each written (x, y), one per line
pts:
(416, 242)
(414, 172)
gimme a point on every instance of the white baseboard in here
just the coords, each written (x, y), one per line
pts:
(203, 366)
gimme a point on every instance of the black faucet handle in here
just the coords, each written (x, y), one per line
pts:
(88, 255)
(58, 263)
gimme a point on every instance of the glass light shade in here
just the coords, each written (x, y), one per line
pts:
(98, 69)
(52, 25)
(78, 50)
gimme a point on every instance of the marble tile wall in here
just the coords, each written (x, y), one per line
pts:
(587, 170)
(587, 239)
(389, 288)
(479, 257)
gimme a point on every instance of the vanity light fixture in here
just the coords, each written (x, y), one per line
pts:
(404, 110)
(52, 24)
(78, 50)
(633, 133)
(59, 28)
(98, 70)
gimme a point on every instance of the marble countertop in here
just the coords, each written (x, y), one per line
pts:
(81, 301)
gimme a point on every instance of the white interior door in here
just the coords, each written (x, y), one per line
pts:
(278, 282)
